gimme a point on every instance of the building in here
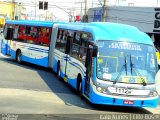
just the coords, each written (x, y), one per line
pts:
(20, 11)
(7, 10)
(147, 19)
(12, 10)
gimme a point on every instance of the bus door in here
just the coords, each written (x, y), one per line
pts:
(61, 52)
(91, 52)
(67, 58)
(52, 44)
(88, 65)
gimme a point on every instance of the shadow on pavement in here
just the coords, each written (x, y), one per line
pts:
(122, 109)
(68, 94)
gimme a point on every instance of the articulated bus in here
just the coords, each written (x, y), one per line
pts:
(107, 63)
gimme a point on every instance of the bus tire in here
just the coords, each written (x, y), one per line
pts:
(19, 56)
(58, 71)
(79, 86)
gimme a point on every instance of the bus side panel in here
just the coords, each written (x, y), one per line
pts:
(74, 67)
(55, 63)
(36, 54)
(41, 62)
(13, 49)
(4, 46)
(30, 53)
(59, 56)
(13, 54)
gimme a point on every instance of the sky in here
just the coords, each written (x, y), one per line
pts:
(61, 9)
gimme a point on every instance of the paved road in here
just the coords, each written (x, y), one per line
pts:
(29, 89)
(32, 89)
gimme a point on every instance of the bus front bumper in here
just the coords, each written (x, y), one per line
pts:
(105, 99)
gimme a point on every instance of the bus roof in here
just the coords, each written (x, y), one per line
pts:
(31, 23)
(111, 31)
(99, 30)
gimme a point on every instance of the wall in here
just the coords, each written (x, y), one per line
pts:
(7, 9)
(141, 17)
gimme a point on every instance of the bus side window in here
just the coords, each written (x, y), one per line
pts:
(29, 37)
(47, 39)
(45, 36)
(83, 47)
(89, 37)
(70, 38)
(21, 33)
(75, 45)
(15, 35)
(9, 34)
(5, 30)
(61, 40)
(58, 40)
(28, 30)
(38, 36)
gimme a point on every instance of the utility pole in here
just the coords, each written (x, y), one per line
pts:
(81, 10)
(46, 16)
(70, 14)
(19, 10)
(104, 11)
(35, 11)
(81, 13)
(13, 9)
(85, 11)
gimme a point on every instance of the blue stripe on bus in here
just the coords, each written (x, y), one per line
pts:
(42, 61)
(38, 50)
(69, 60)
(77, 65)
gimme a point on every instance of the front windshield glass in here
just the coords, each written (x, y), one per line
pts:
(126, 62)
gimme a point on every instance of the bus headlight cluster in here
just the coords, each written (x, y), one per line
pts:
(153, 94)
(100, 89)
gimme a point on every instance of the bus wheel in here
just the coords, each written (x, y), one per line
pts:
(19, 56)
(58, 71)
(80, 90)
(79, 86)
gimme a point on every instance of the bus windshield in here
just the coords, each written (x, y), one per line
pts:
(126, 62)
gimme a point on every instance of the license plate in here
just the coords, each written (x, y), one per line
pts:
(124, 91)
(129, 102)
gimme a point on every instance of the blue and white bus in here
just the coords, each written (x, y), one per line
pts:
(28, 41)
(107, 63)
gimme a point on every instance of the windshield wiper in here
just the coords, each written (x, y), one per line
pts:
(132, 66)
(124, 66)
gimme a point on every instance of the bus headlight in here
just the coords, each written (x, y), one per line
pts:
(153, 94)
(100, 89)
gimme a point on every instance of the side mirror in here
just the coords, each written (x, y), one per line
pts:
(95, 51)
